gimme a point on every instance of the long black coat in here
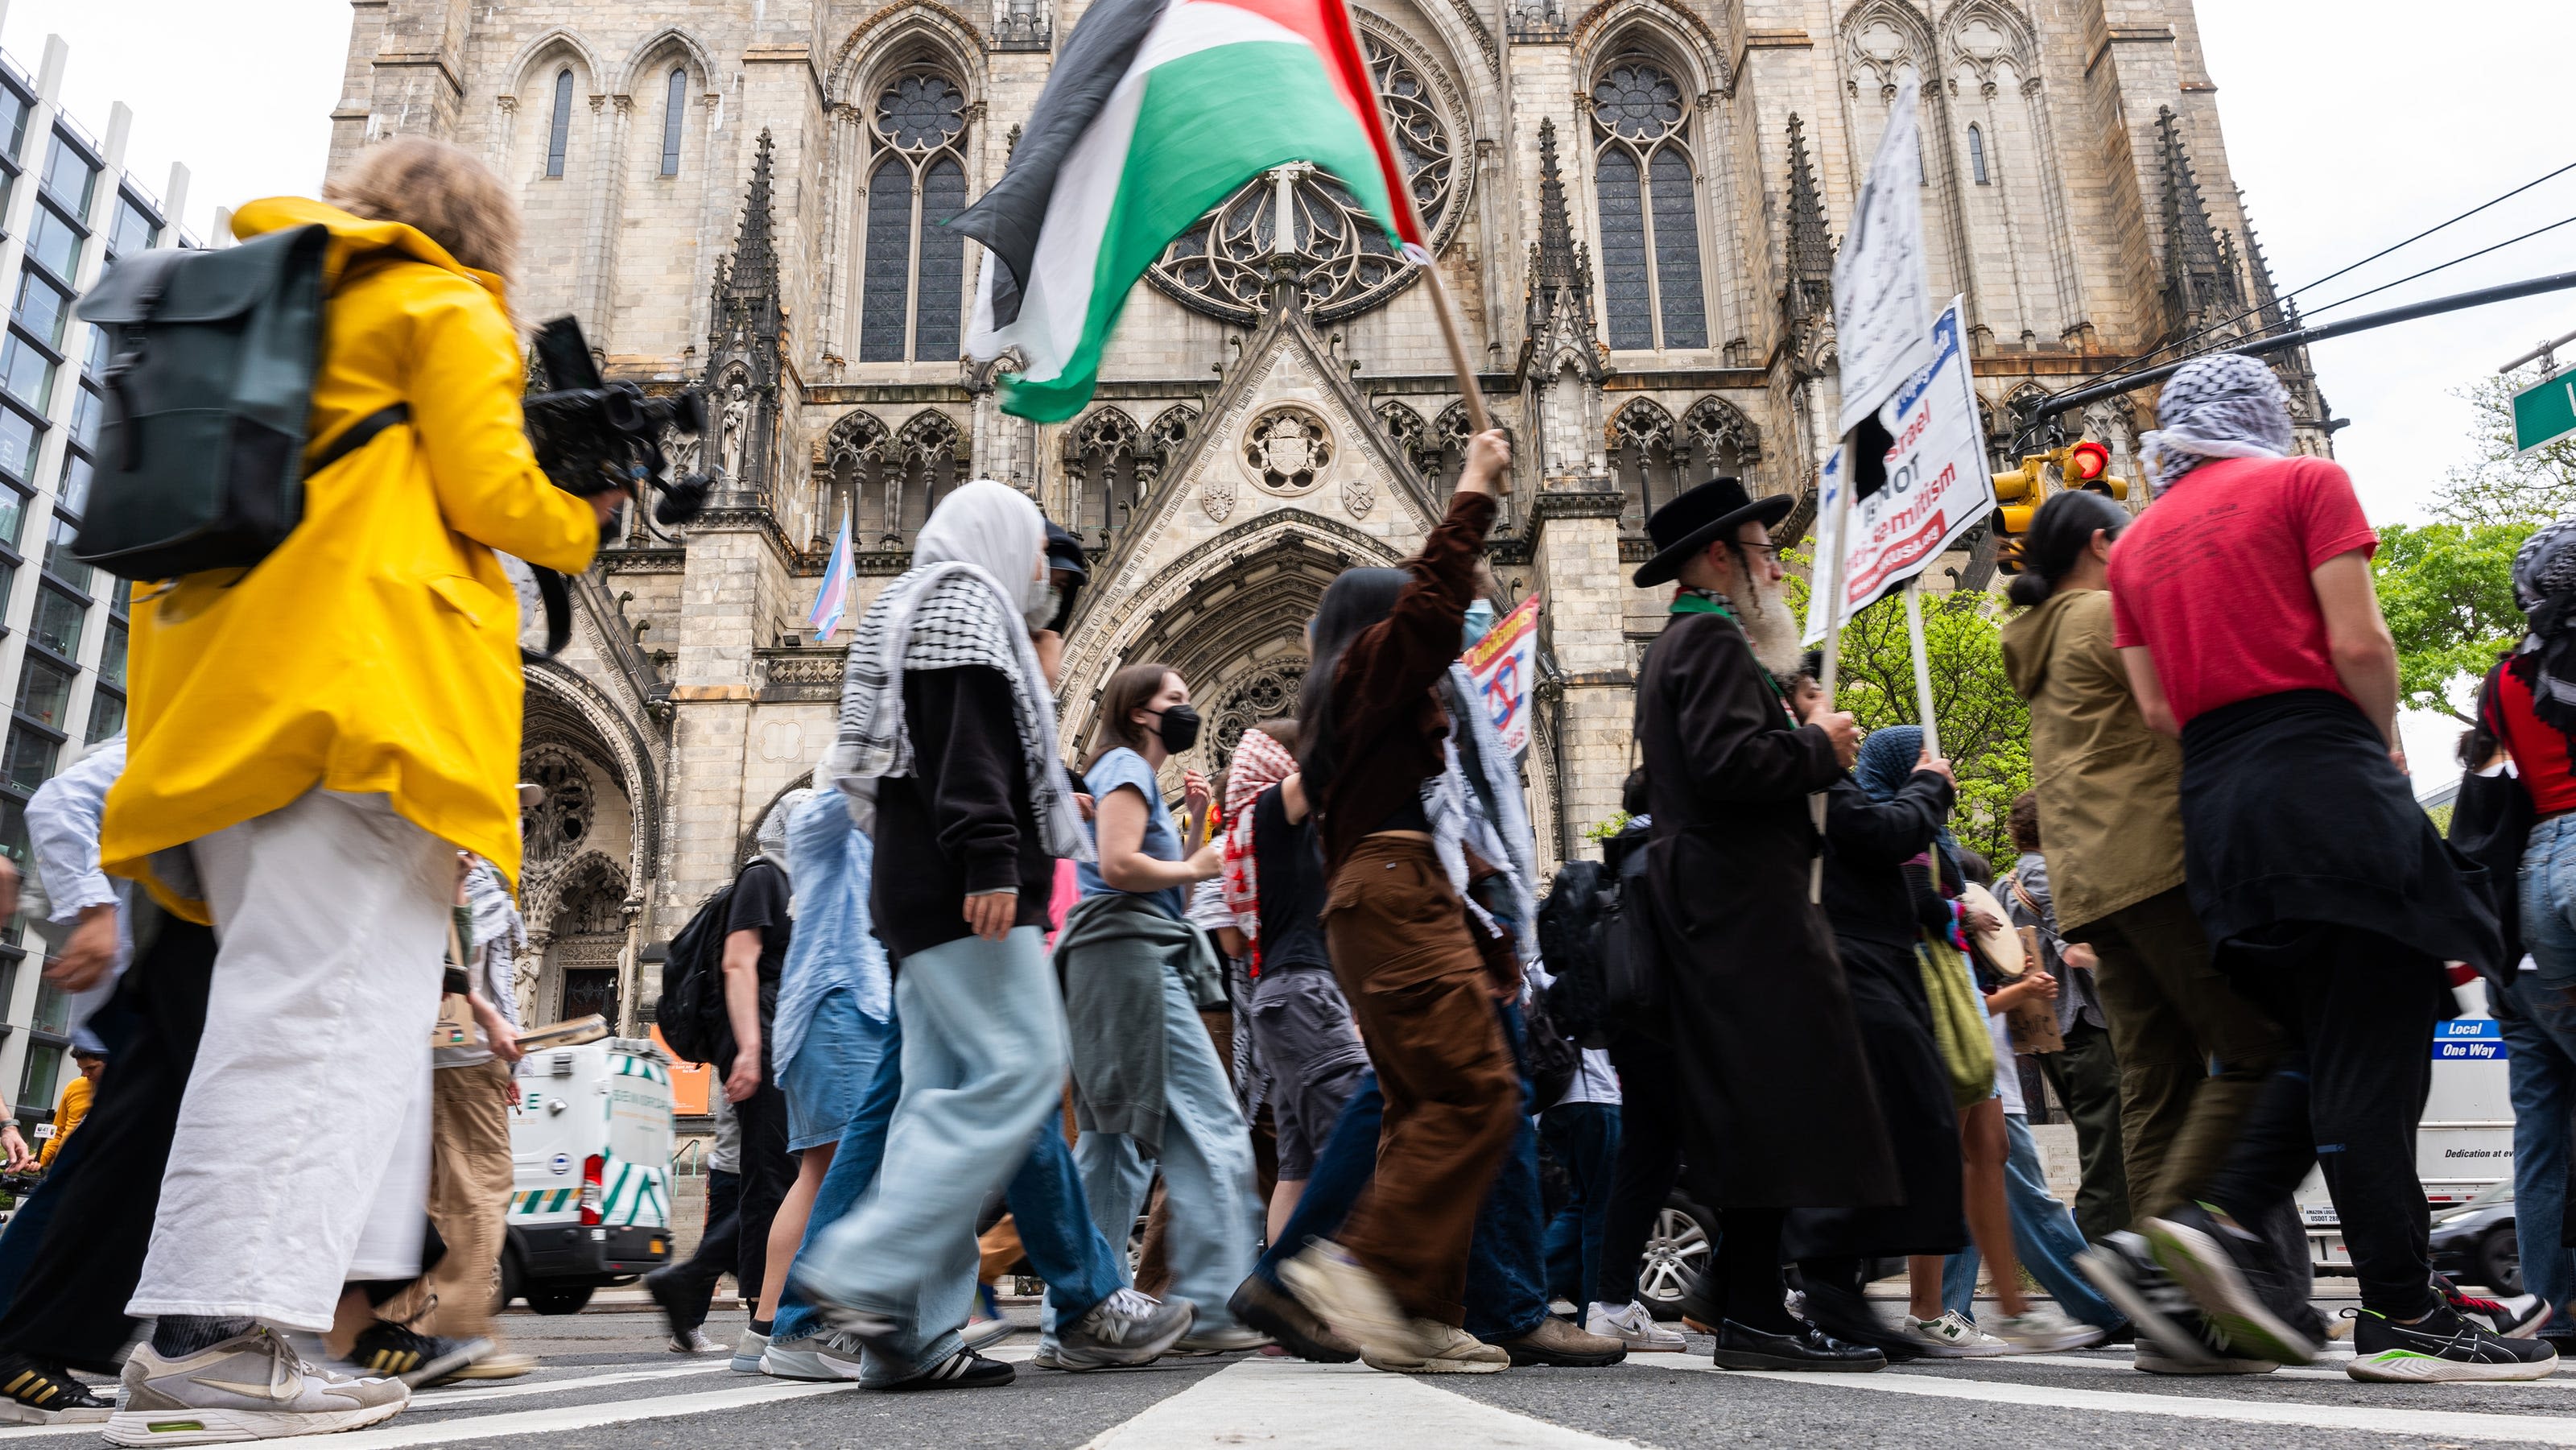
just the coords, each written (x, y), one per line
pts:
(1777, 1091)
(1875, 917)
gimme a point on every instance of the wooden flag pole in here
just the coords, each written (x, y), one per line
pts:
(1474, 397)
(1923, 687)
(1831, 583)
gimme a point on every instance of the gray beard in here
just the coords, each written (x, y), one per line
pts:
(1770, 628)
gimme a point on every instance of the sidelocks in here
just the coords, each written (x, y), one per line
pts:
(2020, 492)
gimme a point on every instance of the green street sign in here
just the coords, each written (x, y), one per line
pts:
(2544, 412)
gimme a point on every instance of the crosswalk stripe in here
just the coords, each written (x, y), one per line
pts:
(2429, 1424)
(2562, 1380)
(1292, 1405)
(575, 1417)
(440, 1399)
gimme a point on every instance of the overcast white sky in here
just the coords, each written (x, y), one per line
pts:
(2350, 123)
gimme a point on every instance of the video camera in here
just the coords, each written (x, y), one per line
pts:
(591, 436)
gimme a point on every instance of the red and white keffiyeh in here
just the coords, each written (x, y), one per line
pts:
(1259, 763)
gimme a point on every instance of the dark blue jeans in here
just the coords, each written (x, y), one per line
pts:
(1506, 1260)
(1045, 1196)
(1584, 1140)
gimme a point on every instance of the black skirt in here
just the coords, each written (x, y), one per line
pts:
(1895, 1021)
(2294, 815)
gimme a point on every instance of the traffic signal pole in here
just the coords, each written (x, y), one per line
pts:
(2457, 302)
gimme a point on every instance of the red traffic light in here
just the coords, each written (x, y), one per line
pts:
(2088, 461)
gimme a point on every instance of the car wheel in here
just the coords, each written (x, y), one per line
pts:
(2499, 1258)
(558, 1298)
(1677, 1248)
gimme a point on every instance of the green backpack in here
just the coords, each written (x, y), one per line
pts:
(209, 380)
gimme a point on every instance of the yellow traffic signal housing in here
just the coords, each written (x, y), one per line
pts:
(2017, 495)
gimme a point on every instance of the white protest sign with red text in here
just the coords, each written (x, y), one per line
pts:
(1504, 665)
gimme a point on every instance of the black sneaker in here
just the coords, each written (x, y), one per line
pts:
(2125, 1271)
(685, 1335)
(2232, 1275)
(2517, 1318)
(388, 1350)
(2440, 1347)
(964, 1370)
(35, 1393)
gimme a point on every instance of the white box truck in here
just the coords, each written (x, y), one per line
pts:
(590, 1144)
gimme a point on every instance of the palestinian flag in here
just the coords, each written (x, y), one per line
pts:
(1157, 110)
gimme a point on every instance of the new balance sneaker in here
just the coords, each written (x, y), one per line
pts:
(818, 1357)
(1275, 1312)
(1953, 1336)
(2231, 1274)
(2517, 1318)
(250, 1387)
(35, 1393)
(1328, 1281)
(1633, 1325)
(1437, 1348)
(2443, 1346)
(2039, 1329)
(964, 1370)
(389, 1349)
(1127, 1328)
(748, 1350)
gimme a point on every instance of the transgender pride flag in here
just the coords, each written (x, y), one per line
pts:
(834, 600)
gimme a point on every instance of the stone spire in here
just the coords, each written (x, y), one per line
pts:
(2200, 288)
(2278, 314)
(1810, 250)
(1560, 286)
(746, 344)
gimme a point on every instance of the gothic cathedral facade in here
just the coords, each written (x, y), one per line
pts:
(1634, 202)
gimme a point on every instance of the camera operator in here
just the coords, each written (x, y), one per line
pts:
(311, 741)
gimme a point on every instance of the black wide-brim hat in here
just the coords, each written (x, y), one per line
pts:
(1687, 524)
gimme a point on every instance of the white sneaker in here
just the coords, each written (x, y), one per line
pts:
(1219, 1341)
(748, 1350)
(1125, 1329)
(1952, 1336)
(1633, 1325)
(694, 1342)
(814, 1357)
(250, 1387)
(2043, 1330)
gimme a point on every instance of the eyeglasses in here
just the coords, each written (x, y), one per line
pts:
(1771, 549)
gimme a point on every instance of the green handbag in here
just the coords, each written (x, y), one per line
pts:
(1958, 1022)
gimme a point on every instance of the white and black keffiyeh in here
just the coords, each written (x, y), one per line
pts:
(955, 606)
(1485, 815)
(2226, 406)
(2544, 584)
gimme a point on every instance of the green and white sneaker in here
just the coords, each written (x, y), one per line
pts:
(252, 1386)
(2439, 1348)
(1953, 1336)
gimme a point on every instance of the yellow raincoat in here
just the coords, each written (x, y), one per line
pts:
(378, 648)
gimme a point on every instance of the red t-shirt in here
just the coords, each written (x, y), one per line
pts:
(2213, 579)
(2539, 751)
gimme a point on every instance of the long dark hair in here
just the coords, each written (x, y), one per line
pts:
(2059, 534)
(1355, 600)
(1127, 692)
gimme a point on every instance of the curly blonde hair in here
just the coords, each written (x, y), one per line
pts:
(438, 188)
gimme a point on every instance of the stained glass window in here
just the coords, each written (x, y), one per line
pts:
(1977, 155)
(675, 110)
(913, 285)
(1650, 266)
(1625, 288)
(559, 134)
(883, 300)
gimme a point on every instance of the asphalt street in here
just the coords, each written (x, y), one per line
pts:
(608, 1381)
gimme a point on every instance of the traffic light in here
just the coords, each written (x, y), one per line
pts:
(2088, 465)
(2017, 497)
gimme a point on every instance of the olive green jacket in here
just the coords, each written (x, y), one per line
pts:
(2110, 807)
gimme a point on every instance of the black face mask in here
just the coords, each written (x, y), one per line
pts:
(1179, 728)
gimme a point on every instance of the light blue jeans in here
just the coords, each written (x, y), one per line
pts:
(983, 1064)
(1206, 1159)
(2045, 1239)
(2541, 1036)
